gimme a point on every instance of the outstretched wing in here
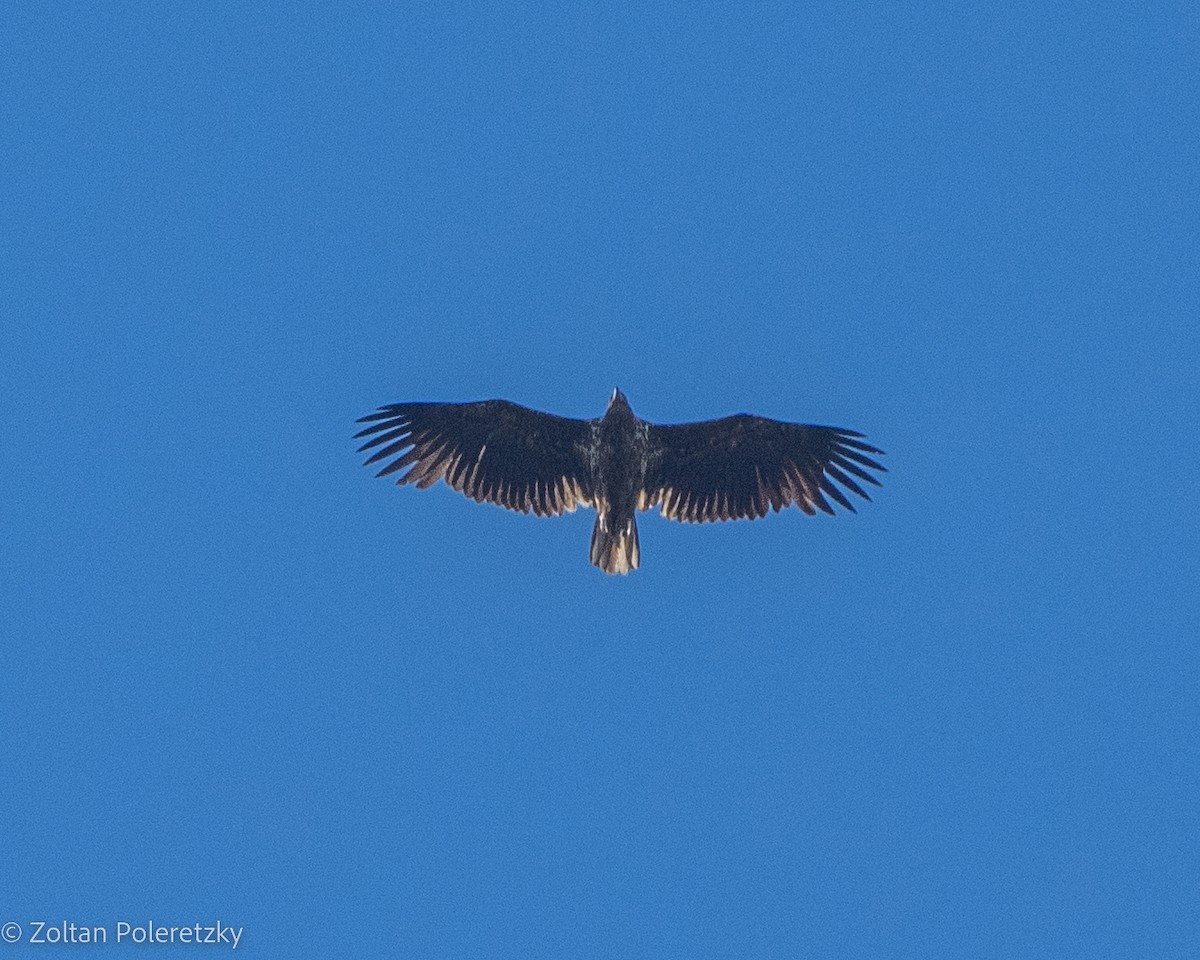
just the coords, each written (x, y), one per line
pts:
(742, 466)
(493, 450)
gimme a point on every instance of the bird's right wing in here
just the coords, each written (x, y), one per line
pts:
(493, 451)
(742, 466)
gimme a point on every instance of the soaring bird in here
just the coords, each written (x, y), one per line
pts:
(733, 468)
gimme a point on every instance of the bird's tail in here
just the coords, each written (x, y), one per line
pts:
(615, 551)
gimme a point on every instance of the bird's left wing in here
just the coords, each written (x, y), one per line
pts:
(742, 466)
(493, 450)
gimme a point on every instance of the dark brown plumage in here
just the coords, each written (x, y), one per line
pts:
(737, 467)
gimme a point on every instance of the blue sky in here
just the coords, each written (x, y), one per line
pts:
(245, 681)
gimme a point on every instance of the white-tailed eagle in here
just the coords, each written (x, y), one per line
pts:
(734, 468)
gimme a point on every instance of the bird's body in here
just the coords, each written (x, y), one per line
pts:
(522, 459)
(621, 454)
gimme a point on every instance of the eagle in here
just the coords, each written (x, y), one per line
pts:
(733, 468)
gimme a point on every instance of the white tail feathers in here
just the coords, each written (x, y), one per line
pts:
(615, 552)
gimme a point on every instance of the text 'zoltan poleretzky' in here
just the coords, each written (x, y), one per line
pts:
(41, 931)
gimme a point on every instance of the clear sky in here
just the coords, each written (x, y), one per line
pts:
(242, 680)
